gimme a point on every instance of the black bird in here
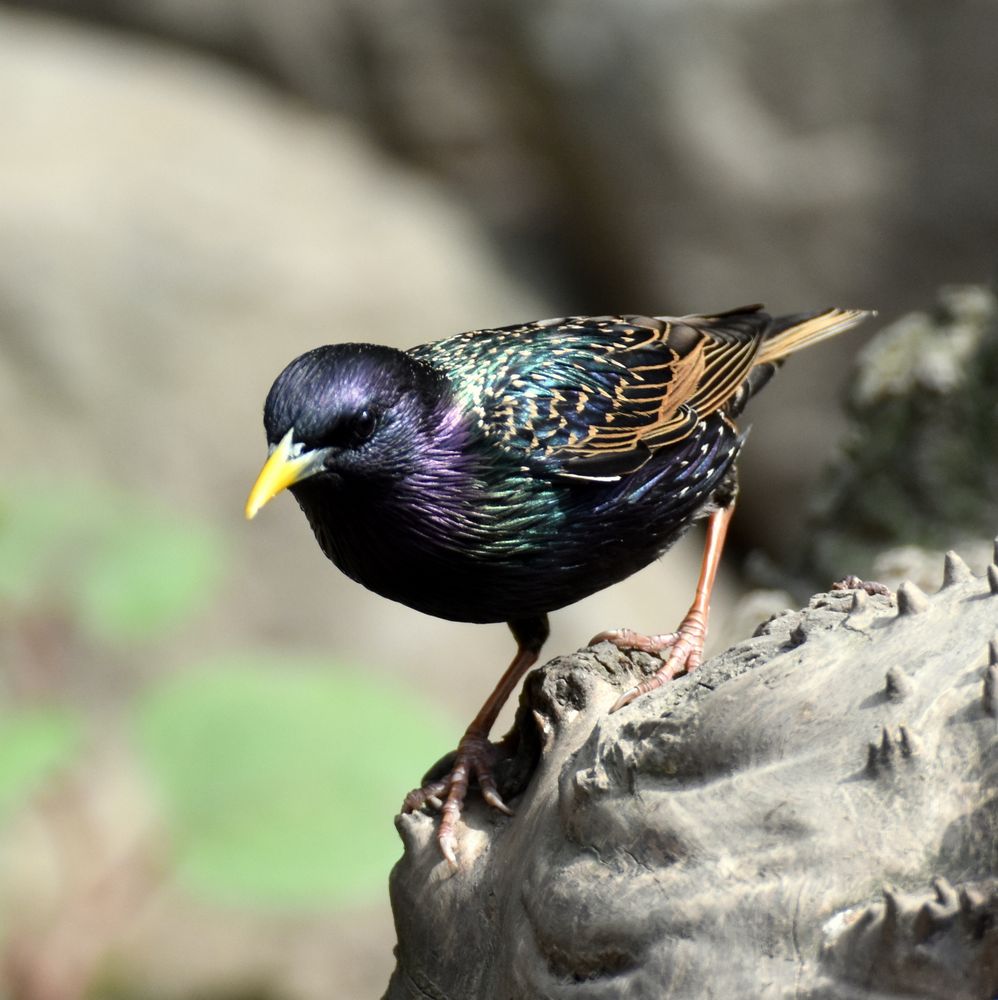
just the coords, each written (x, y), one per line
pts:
(501, 474)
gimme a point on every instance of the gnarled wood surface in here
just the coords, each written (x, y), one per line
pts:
(812, 814)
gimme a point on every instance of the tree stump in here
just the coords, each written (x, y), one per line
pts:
(812, 814)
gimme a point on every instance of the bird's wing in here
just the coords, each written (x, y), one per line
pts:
(593, 397)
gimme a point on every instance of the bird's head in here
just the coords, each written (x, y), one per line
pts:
(343, 412)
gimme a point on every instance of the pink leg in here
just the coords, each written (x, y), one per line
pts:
(476, 754)
(685, 645)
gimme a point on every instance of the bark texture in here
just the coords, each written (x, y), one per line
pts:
(812, 814)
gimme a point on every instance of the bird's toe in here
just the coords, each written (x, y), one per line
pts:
(474, 760)
(682, 651)
(629, 640)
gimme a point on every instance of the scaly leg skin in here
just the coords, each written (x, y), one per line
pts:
(685, 645)
(476, 755)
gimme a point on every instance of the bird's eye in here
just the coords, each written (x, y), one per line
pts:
(350, 430)
(363, 426)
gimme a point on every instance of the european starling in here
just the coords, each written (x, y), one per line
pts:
(501, 474)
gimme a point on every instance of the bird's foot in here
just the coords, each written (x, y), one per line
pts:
(682, 651)
(475, 757)
(852, 582)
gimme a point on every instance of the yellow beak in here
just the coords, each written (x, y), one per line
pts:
(284, 468)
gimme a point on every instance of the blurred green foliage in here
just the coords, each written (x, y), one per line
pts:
(278, 777)
(32, 746)
(114, 564)
(281, 776)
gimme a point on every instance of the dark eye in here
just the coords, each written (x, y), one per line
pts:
(363, 426)
(349, 430)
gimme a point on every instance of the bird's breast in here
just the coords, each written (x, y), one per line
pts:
(520, 544)
(425, 556)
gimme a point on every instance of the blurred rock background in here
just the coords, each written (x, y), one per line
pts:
(190, 195)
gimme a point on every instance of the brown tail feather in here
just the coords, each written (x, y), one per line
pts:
(806, 330)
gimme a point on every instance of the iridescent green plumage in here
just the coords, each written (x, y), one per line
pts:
(595, 396)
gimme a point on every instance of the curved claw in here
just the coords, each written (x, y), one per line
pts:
(451, 812)
(685, 648)
(660, 677)
(625, 699)
(494, 799)
(430, 794)
(448, 847)
(475, 757)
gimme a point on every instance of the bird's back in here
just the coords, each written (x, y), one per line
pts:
(594, 397)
